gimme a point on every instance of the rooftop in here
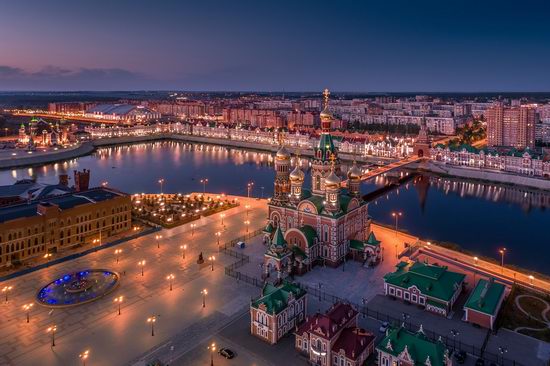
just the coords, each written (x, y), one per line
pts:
(485, 297)
(276, 298)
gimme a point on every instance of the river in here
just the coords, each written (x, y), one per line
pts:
(479, 217)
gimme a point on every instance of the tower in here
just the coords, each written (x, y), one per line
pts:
(320, 165)
(82, 180)
(22, 134)
(354, 179)
(332, 189)
(422, 144)
(282, 176)
(296, 182)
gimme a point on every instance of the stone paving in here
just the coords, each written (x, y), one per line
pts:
(121, 339)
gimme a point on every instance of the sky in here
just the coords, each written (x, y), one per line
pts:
(284, 45)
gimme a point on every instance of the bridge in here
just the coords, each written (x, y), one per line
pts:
(376, 171)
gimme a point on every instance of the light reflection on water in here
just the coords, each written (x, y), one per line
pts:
(478, 216)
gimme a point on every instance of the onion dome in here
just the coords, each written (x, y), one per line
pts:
(297, 175)
(354, 173)
(325, 114)
(332, 181)
(283, 154)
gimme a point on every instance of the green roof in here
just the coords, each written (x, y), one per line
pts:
(356, 244)
(418, 346)
(326, 143)
(268, 228)
(431, 280)
(485, 297)
(309, 233)
(278, 238)
(317, 201)
(298, 252)
(371, 240)
(275, 298)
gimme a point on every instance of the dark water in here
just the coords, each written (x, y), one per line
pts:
(479, 217)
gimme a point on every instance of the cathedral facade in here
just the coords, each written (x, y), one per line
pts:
(321, 224)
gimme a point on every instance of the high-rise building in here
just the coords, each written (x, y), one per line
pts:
(513, 126)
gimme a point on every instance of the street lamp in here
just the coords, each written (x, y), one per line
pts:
(52, 330)
(475, 260)
(204, 293)
(249, 187)
(204, 182)
(183, 249)
(502, 251)
(218, 234)
(152, 319)
(170, 278)
(47, 256)
(531, 279)
(212, 349)
(161, 182)
(118, 301)
(396, 215)
(141, 264)
(222, 216)
(84, 356)
(247, 208)
(6, 290)
(27, 308)
(158, 237)
(247, 223)
(212, 259)
(117, 253)
(193, 229)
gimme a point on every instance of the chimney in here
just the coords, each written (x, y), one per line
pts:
(81, 180)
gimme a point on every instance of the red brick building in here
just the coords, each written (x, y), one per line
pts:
(334, 338)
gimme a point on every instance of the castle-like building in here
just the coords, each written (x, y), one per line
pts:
(41, 133)
(324, 224)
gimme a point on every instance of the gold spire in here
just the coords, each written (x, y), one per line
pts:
(332, 160)
(326, 95)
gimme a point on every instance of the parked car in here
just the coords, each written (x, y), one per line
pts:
(241, 245)
(227, 353)
(460, 357)
(384, 327)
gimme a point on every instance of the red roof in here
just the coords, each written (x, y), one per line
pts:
(327, 325)
(353, 341)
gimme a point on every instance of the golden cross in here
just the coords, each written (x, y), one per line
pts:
(326, 94)
(332, 159)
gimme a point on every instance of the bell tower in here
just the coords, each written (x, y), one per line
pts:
(422, 145)
(282, 176)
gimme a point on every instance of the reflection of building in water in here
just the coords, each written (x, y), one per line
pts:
(524, 197)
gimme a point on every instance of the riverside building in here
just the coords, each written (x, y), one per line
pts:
(33, 229)
(323, 224)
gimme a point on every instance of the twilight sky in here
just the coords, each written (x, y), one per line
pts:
(290, 45)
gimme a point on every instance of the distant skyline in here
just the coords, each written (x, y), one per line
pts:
(354, 46)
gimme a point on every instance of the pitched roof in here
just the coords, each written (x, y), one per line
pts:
(353, 341)
(327, 325)
(309, 233)
(417, 345)
(278, 238)
(485, 297)
(371, 240)
(275, 298)
(431, 280)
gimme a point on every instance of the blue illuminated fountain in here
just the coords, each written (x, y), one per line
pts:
(78, 288)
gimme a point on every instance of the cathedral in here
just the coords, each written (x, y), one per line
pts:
(323, 224)
(41, 133)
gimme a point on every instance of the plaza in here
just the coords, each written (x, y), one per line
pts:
(114, 339)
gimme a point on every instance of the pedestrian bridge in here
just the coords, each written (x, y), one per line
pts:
(376, 171)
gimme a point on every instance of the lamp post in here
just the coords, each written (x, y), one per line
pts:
(118, 301)
(454, 333)
(27, 309)
(396, 215)
(170, 278)
(204, 182)
(475, 260)
(249, 187)
(247, 209)
(531, 279)
(502, 251)
(84, 356)
(161, 182)
(212, 349)
(183, 249)
(52, 330)
(158, 237)
(117, 253)
(246, 224)
(6, 290)
(212, 259)
(193, 229)
(141, 264)
(218, 234)
(204, 293)
(151, 320)
(47, 256)
(222, 215)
